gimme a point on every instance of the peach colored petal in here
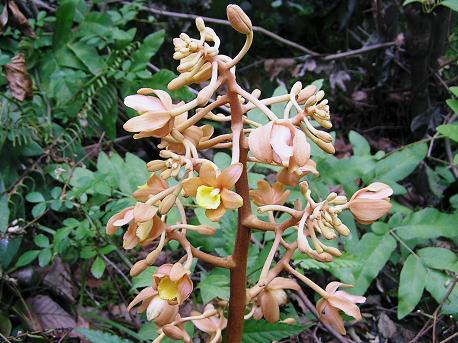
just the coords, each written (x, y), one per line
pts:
(333, 286)
(177, 272)
(259, 143)
(207, 131)
(284, 283)
(207, 174)
(205, 325)
(231, 199)
(257, 314)
(144, 212)
(230, 175)
(216, 214)
(185, 288)
(345, 305)
(281, 141)
(143, 103)
(287, 178)
(332, 317)
(130, 239)
(167, 315)
(163, 270)
(128, 216)
(144, 294)
(301, 148)
(190, 186)
(368, 210)
(356, 299)
(111, 227)
(149, 121)
(269, 307)
(164, 98)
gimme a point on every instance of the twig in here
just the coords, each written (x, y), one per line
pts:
(226, 22)
(449, 338)
(427, 325)
(325, 57)
(115, 267)
(307, 303)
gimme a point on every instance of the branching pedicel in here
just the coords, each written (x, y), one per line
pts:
(282, 142)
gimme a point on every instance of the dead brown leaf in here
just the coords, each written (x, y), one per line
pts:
(50, 314)
(275, 66)
(59, 279)
(12, 14)
(19, 80)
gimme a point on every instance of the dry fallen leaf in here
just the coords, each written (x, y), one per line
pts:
(12, 14)
(275, 66)
(19, 80)
(59, 279)
(50, 314)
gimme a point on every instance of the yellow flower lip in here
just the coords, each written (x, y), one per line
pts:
(168, 290)
(208, 197)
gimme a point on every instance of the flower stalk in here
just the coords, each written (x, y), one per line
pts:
(282, 143)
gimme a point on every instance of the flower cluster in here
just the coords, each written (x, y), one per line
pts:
(183, 172)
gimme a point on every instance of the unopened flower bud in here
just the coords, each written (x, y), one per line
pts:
(326, 147)
(238, 19)
(333, 251)
(145, 91)
(166, 174)
(343, 230)
(138, 267)
(205, 230)
(152, 256)
(306, 93)
(155, 165)
(324, 136)
(290, 321)
(167, 203)
(176, 333)
(200, 24)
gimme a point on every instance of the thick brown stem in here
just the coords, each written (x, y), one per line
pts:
(237, 299)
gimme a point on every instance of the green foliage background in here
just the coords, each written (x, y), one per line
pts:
(65, 169)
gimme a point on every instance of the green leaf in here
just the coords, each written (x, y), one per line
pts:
(4, 213)
(261, 331)
(89, 56)
(318, 83)
(449, 130)
(406, 2)
(222, 160)
(35, 197)
(437, 284)
(454, 90)
(144, 278)
(439, 258)
(149, 47)
(64, 21)
(27, 258)
(452, 4)
(214, 285)
(8, 250)
(98, 267)
(360, 145)
(44, 257)
(400, 164)
(41, 240)
(428, 223)
(38, 209)
(161, 79)
(375, 251)
(411, 285)
(95, 336)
